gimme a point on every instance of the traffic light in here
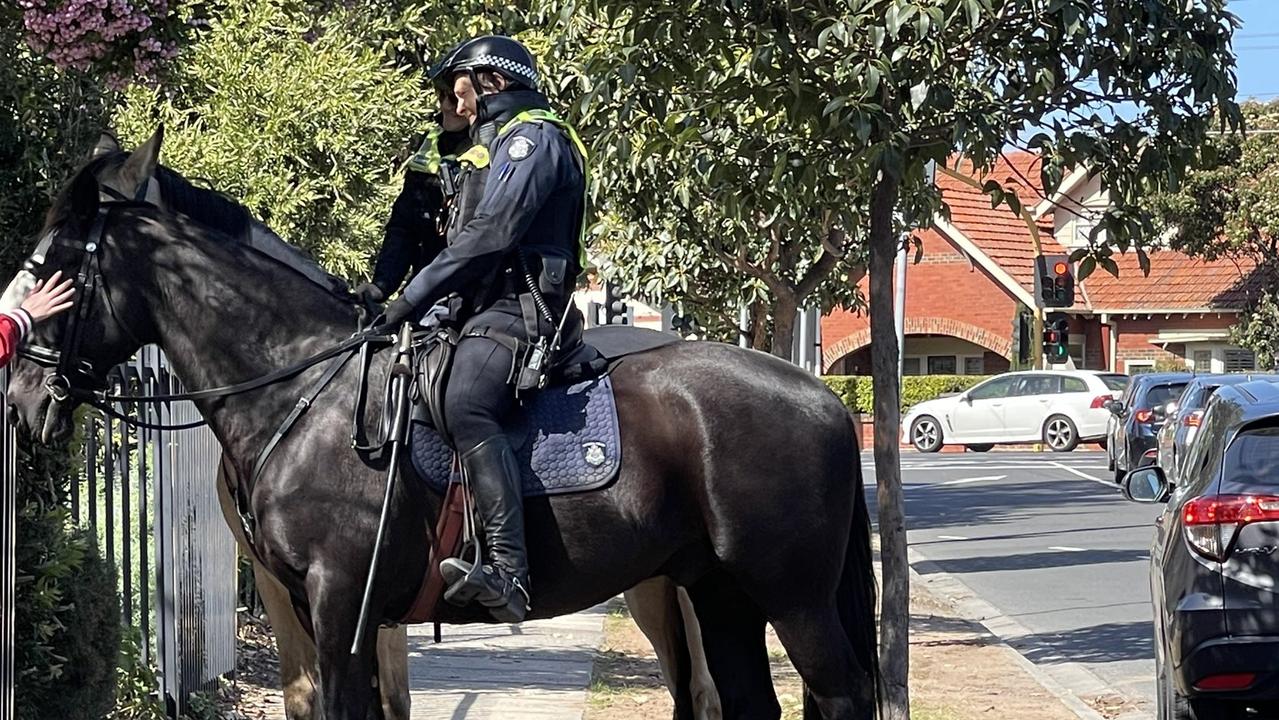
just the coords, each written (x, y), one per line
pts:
(1057, 339)
(615, 312)
(1054, 281)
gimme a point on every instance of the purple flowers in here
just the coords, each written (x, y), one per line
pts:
(124, 39)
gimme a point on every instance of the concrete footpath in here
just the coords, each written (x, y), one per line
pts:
(539, 669)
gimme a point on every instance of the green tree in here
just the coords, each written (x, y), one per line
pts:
(724, 126)
(306, 134)
(67, 623)
(1228, 209)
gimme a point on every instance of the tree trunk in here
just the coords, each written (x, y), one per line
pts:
(894, 644)
(759, 326)
(784, 310)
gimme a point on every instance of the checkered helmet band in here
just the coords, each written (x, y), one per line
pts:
(518, 69)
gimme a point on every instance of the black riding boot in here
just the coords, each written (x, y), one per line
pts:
(501, 585)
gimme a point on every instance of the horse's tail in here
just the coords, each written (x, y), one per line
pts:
(856, 593)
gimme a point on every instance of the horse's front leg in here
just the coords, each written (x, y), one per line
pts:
(346, 680)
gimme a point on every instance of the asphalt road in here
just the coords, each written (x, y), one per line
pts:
(1059, 556)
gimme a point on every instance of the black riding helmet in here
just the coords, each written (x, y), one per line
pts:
(498, 53)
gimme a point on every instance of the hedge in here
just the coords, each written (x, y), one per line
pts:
(855, 390)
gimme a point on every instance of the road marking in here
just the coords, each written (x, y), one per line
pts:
(951, 537)
(965, 481)
(1085, 476)
(1066, 548)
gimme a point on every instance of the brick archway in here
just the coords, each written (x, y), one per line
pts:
(922, 326)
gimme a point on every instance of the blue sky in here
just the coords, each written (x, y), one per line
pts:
(1257, 47)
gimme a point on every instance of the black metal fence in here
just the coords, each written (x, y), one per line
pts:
(8, 522)
(149, 498)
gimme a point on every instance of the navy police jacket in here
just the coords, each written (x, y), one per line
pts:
(533, 199)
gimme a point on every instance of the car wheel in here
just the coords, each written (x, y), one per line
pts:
(984, 447)
(1060, 434)
(925, 434)
(1175, 706)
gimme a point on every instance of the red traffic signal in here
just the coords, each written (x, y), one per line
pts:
(1054, 281)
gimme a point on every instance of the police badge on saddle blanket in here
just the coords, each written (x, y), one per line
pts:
(521, 147)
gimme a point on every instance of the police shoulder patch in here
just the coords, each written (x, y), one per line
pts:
(521, 147)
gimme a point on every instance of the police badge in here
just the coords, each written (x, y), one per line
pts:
(593, 453)
(521, 147)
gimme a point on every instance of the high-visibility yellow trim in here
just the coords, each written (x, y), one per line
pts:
(427, 158)
(477, 156)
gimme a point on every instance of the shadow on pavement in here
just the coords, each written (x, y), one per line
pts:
(1108, 642)
(1029, 561)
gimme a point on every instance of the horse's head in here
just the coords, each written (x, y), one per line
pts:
(69, 356)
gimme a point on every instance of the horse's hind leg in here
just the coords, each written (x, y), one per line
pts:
(814, 642)
(665, 615)
(732, 628)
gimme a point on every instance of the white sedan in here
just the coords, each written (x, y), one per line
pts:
(1061, 408)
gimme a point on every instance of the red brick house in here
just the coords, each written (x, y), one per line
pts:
(976, 273)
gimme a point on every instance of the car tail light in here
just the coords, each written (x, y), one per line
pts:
(1226, 681)
(1151, 454)
(1100, 401)
(1193, 419)
(1212, 521)
(1143, 416)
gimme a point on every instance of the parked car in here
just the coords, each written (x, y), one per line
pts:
(1213, 562)
(1180, 429)
(1060, 408)
(1137, 417)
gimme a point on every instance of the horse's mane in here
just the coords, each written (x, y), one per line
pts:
(219, 212)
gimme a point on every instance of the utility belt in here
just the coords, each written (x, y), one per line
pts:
(542, 288)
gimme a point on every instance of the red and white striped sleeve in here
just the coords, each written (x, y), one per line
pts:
(14, 326)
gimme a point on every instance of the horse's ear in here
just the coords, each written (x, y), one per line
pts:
(141, 163)
(106, 144)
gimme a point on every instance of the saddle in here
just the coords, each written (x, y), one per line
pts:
(566, 437)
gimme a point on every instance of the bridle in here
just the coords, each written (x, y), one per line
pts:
(65, 364)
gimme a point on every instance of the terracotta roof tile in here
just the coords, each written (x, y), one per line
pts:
(999, 233)
(1176, 281)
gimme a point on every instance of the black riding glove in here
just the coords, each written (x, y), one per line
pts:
(397, 312)
(370, 294)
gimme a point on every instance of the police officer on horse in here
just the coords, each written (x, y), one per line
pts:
(415, 232)
(506, 278)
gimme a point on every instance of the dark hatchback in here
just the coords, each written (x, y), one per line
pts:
(1214, 574)
(1136, 418)
(1183, 424)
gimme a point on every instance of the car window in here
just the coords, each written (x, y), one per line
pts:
(1114, 382)
(992, 389)
(1254, 457)
(1037, 385)
(1073, 384)
(1160, 395)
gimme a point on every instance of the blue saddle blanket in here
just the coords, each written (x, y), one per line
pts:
(566, 439)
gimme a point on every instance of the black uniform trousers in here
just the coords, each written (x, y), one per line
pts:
(479, 395)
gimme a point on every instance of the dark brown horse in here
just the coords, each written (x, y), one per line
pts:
(740, 479)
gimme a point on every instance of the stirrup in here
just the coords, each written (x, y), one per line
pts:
(503, 595)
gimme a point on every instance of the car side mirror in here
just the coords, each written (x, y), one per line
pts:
(966, 398)
(1147, 485)
(1116, 407)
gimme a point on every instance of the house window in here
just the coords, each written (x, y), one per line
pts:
(1240, 360)
(1083, 228)
(975, 365)
(941, 365)
(910, 366)
(1137, 367)
(1202, 361)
